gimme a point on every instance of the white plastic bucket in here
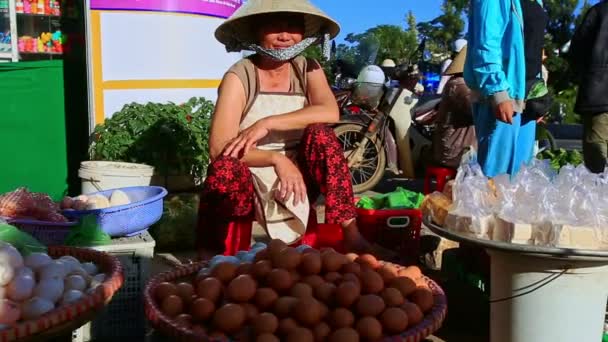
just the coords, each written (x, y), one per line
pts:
(103, 175)
(549, 300)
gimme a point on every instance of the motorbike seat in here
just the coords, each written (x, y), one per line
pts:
(426, 106)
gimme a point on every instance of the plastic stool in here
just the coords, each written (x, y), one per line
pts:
(441, 175)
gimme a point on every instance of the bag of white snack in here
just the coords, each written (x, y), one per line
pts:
(472, 210)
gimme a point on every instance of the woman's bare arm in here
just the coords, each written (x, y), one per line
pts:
(226, 120)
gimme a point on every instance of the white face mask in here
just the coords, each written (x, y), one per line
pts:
(282, 55)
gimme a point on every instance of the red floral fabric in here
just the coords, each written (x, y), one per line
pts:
(228, 193)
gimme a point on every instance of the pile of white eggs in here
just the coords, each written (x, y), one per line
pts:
(34, 285)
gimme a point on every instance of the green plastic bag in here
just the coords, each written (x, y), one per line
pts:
(21, 240)
(87, 234)
(399, 199)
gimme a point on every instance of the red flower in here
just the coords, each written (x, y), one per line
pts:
(189, 118)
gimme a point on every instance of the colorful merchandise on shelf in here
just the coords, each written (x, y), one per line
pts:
(46, 43)
(5, 41)
(38, 7)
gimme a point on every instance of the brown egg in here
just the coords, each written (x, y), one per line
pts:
(289, 258)
(341, 318)
(321, 331)
(287, 325)
(324, 292)
(185, 291)
(347, 293)
(265, 298)
(351, 267)
(300, 290)
(412, 272)
(202, 309)
(199, 331)
(388, 272)
(392, 297)
(371, 282)
(183, 320)
(421, 282)
(229, 318)
(333, 277)
(324, 310)
(327, 249)
(164, 290)
(423, 298)
(275, 247)
(218, 336)
(352, 278)
(279, 279)
(368, 260)
(332, 261)
(344, 335)
(313, 280)
(307, 311)
(263, 254)
(224, 272)
(243, 335)
(265, 323)
(405, 285)
(241, 288)
(295, 276)
(351, 256)
(172, 306)
(244, 268)
(210, 288)
(251, 311)
(394, 320)
(369, 328)
(300, 335)
(310, 250)
(284, 305)
(370, 305)
(413, 312)
(310, 264)
(261, 269)
(267, 338)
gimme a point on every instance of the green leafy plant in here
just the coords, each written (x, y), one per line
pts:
(560, 158)
(173, 138)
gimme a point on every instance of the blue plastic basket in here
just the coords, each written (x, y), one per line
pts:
(145, 209)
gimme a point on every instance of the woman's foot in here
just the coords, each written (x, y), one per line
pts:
(355, 242)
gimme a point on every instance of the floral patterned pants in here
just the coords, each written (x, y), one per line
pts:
(228, 193)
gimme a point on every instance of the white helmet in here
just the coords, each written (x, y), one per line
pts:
(459, 44)
(371, 74)
(388, 63)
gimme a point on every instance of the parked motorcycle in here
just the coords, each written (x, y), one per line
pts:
(383, 125)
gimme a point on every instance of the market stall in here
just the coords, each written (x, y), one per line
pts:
(548, 244)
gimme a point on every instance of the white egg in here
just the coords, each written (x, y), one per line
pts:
(79, 271)
(248, 258)
(258, 246)
(10, 255)
(70, 296)
(20, 288)
(97, 280)
(90, 267)
(37, 260)
(232, 259)
(7, 272)
(55, 269)
(119, 197)
(241, 254)
(10, 312)
(36, 307)
(302, 248)
(50, 289)
(216, 260)
(70, 263)
(25, 271)
(74, 282)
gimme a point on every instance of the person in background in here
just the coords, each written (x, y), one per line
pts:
(272, 153)
(545, 71)
(456, 48)
(454, 129)
(589, 58)
(495, 70)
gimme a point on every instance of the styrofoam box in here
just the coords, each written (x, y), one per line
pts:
(124, 316)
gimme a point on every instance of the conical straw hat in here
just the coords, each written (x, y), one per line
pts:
(457, 66)
(237, 30)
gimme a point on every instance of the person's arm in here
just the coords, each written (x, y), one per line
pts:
(491, 18)
(582, 40)
(322, 107)
(226, 120)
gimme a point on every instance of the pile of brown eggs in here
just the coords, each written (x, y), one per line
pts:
(285, 295)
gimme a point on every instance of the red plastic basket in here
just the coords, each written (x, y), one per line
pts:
(394, 229)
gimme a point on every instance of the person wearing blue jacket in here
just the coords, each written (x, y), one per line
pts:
(495, 71)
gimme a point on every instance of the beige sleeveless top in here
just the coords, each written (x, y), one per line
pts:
(281, 220)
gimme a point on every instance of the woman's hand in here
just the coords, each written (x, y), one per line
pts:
(247, 139)
(291, 181)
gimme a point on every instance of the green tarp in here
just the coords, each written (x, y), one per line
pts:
(32, 127)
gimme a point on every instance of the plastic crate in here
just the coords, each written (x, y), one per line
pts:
(124, 316)
(394, 229)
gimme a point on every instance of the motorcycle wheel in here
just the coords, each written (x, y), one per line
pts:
(366, 173)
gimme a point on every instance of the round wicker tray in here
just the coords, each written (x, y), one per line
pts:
(68, 318)
(431, 323)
